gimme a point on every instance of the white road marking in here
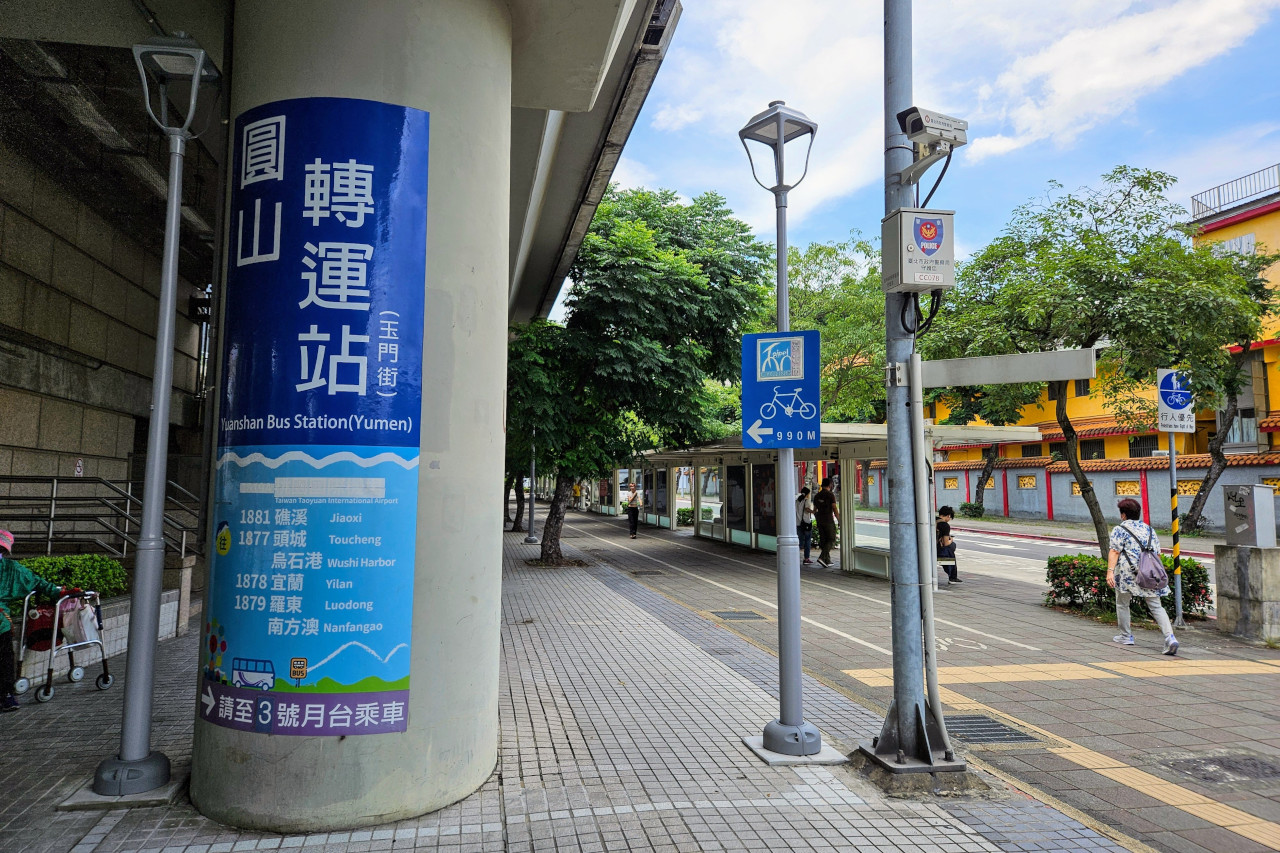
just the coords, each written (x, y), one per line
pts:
(879, 601)
(728, 588)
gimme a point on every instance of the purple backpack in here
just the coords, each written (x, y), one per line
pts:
(1150, 568)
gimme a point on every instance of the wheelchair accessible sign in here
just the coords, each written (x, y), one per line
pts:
(780, 403)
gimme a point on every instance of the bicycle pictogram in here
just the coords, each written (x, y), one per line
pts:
(791, 405)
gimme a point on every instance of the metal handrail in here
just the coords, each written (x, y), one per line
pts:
(105, 517)
(1260, 183)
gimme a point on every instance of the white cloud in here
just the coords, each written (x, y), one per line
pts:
(1220, 159)
(1094, 74)
(1022, 72)
(631, 174)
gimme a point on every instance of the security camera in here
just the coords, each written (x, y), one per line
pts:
(929, 126)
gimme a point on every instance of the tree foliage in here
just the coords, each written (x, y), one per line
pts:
(662, 292)
(1098, 266)
(835, 288)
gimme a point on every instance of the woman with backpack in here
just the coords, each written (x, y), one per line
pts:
(1134, 568)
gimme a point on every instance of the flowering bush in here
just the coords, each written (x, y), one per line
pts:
(1079, 582)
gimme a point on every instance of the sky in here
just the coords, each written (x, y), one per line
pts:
(1052, 91)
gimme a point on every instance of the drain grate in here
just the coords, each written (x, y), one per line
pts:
(642, 572)
(976, 728)
(736, 615)
(1219, 769)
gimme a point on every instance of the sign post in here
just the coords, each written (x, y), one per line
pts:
(780, 390)
(1177, 414)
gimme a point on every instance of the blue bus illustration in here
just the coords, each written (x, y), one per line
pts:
(250, 672)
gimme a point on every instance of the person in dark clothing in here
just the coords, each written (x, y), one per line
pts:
(826, 514)
(947, 544)
(16, 582)
(632, 501)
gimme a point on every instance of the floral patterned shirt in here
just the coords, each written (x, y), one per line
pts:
(1124, 540)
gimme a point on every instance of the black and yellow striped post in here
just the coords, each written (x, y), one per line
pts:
(1178, 621)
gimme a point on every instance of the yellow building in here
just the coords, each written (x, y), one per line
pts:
(1242, 215)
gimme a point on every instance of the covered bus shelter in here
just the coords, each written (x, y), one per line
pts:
(728, 493)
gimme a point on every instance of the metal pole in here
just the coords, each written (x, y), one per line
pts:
(926, 542)
(1178, 621)
(900, 740)
(137, 768)
(789, 734)
(530, 539)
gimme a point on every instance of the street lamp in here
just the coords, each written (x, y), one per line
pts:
(789, 734)
(532, 538)
(137, 768)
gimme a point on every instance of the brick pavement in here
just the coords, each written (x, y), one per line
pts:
(622, 714)
(1202, 728)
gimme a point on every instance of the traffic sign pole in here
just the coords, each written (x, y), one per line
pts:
(1178, 621)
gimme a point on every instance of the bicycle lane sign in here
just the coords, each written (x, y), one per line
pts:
(780, 402)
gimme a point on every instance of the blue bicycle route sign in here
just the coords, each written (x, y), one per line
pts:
(1176, 404)
(780, 403)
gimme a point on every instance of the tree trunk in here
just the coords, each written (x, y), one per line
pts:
(1073, 462)
(989, 457)
(865, 497)
(1219, 464)
(551, 553)
(506, 497)
(517, 525)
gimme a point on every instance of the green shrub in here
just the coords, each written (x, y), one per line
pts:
(971, 510)
(96, 572)
(1079, 582)
(684, 516)
(707, 513)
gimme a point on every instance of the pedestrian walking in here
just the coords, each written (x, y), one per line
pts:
(826, 514)
(804, 523)
(16, 582)
(632, 502)
(947, 543)
(577, 495)
(1129, 540)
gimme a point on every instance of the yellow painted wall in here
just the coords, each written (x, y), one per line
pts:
(1266, 232)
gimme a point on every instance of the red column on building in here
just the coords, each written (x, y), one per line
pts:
(1146, 507)
(1004, 486)
(968, 496)
(880, 483)
(1048, 493)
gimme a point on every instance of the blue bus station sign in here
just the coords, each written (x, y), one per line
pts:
(780, 393)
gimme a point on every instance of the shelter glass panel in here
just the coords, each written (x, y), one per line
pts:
(711, 518)
(648, 490)
(735, 497)
(660, 491)
(765, 492)
(684, 492)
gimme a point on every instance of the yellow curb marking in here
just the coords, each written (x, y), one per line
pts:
(1240, 822)
(1010, 673)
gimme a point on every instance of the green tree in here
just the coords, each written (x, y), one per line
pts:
(1202, 314)
(662, 294)
(1065, 273)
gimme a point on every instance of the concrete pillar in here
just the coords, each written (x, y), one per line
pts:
(451, 58)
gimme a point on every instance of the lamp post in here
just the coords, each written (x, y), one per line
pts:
(789, 734)
(137, 768)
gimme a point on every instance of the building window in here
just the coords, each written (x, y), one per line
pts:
(1030, 450)
(1244, 429)
(991, 483)
(1058, 447)
(1128, 488)
(1051, 392)
(1094, 448)
(1082, 387)
(1027, 481)
(1273, 482)
(1189, 487)
(1143, 445)
(931, 411)
(1075, 488)
(950, 482)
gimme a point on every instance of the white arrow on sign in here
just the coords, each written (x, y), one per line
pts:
(758, 432)
(207, 700)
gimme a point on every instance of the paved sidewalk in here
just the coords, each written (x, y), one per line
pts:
(622, 715)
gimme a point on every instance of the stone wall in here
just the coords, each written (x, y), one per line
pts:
(78, 306)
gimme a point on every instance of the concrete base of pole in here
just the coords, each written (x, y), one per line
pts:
(923, 780)
(826, 755)
(803, 739)
(886, 750)
(531, 540)
(116, 777)
(86, 799)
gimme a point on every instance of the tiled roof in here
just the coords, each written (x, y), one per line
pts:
(976, 464)
(1096, 432)
(1271, 423)
(1160, 463)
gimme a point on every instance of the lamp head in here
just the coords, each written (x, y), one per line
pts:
(775, 127)
(174, 59)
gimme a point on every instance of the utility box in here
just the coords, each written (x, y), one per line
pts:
(919, 250)
(1250, 513)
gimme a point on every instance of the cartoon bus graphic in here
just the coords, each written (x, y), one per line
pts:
(251, 672)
